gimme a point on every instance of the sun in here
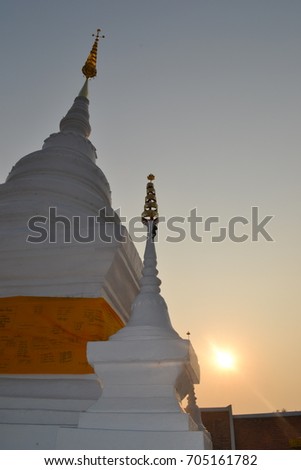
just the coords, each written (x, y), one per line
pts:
(224, 359)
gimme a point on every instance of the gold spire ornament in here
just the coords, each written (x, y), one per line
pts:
(150, 214)
(89, 69)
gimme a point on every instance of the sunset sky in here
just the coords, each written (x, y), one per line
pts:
(206, 95)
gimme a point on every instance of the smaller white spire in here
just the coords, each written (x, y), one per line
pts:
(149, 317)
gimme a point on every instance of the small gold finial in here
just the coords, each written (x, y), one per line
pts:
(150, 207)
(89, 69)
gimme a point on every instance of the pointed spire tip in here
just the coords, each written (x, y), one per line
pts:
(89, 69)
(150, 216)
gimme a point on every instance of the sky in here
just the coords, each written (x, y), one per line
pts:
(206, 95)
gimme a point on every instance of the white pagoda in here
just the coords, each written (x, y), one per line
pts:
(57, 294)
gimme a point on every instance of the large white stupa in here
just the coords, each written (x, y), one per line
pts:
(56, 291)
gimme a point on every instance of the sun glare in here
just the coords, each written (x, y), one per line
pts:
(224, 359)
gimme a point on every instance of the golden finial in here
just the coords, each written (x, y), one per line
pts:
(150, 207)
(89, 69)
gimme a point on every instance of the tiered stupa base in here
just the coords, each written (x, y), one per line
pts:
(143, 379)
